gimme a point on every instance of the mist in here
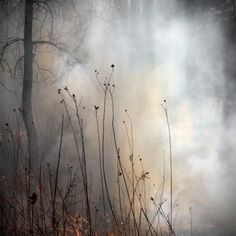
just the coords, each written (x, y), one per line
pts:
(163, 54)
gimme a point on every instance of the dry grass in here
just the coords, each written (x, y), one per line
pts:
(34, 201)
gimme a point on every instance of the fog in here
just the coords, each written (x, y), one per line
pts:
(160, 51)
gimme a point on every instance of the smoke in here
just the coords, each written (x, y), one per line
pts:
(160, 52)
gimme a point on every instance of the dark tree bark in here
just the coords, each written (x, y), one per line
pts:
(27, 84)
(27, 111)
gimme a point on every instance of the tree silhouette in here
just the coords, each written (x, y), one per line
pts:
(34, 22)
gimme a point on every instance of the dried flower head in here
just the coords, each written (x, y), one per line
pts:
(144, 175)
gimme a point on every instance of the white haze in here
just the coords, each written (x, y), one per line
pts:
(161, 53)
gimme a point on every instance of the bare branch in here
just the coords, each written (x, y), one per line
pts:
(14, 7)
(8, 44)
(47, 8)
(3, 61)
(59, 46)
(18, 63)
(4, 86)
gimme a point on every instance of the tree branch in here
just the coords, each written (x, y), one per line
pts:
(4, 86)
(59, 46)
(8, 44)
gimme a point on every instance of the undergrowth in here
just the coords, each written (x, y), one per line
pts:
(34, 200)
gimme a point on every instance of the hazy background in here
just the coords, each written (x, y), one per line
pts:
(164, 49)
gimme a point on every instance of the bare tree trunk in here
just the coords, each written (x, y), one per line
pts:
(28, 82)
(27, 102)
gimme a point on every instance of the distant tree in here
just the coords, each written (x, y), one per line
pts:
(30, 24)
(28, 29)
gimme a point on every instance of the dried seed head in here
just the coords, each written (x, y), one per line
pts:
(112, 66)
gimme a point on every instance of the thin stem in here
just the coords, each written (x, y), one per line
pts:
(100, 166)
(57, 173)
(171, 168)
(119, 161)
(191, 221)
